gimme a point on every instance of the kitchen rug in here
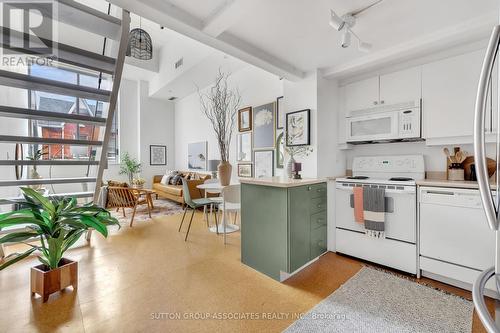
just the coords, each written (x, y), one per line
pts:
(376, 301)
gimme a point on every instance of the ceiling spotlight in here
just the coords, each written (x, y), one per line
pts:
(346, 38)
(336, 21)
(364, 47)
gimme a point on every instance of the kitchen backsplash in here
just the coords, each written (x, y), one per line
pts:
(435, 159)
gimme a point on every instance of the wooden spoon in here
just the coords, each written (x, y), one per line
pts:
(447, 153)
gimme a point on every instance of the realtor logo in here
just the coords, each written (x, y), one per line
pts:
(28, 27)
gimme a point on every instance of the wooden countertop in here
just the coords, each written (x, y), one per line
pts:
(281, 182)
(450, 183)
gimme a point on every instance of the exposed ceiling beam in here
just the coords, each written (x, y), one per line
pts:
(466, 32)
(174, 18)
(226, 15)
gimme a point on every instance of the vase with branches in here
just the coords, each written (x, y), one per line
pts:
(129, 166)
(220, 104)
(295, 151)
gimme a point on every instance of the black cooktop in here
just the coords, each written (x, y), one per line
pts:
(358, 177)
(400, 179)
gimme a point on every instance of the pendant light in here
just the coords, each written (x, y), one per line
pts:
(140, 45)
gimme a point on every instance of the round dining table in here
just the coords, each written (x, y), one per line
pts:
(216, 188)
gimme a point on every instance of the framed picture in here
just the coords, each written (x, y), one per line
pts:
(197, 155)
(157, 155)
(263, 118)
(245, 170)
(298, 128)
(245, 119)
(264, 163)
(244, 147)
(280, 113)
(280, 150)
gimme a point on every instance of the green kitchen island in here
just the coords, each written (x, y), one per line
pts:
(283, 224)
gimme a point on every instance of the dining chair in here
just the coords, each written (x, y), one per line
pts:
(212, 194)
(231, 203)
(193, 204)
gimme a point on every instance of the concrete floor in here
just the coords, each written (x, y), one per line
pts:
(147, 279)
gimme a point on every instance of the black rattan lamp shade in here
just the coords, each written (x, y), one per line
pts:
(140, 45)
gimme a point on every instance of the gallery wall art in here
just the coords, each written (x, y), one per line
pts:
(298, 128)
(263, 119)
(244, 143)
(157, 155)
(264, 163)
(245, 119)
(197, 155)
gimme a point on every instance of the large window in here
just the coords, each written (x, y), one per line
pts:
(43, 101)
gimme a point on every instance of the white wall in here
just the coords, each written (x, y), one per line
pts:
(143, 121)
(301, 95)
(256, 86)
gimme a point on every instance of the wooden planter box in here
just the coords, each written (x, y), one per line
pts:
(46, 282)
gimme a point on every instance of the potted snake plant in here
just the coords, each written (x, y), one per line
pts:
(57, 224)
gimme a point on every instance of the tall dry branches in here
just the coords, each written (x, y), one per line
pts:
(220, 105)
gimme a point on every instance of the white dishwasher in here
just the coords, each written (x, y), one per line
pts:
(455, 241)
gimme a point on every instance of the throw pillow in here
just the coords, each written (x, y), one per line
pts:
(114, 183)
(176, 179)
(164, 180)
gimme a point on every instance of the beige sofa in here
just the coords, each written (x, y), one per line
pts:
(174, 192)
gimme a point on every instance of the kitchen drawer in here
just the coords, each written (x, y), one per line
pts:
(318, 220)
(317, 190)
(318, 205)
(318, 242)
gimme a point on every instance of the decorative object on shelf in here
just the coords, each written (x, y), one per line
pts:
(264, 163)
(140, 45)
(129, 166)
(245, 170)
(295, 151)
(244, 143)
(197, 155)
(59, 223)
(245, 119)
(157, 155)
(18, 156)
(298, 128)
(36, 156)
(263, 119)
(280, 150)
(280, 113)
(212, 167)
(220, 105)
(296, 169)
(138, 182)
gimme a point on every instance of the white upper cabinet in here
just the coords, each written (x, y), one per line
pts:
(362, 94)
(448, 94)
(401, 87)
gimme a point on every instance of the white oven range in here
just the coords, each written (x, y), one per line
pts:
(397, 175)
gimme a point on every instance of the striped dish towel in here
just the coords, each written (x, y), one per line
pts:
(374, 211)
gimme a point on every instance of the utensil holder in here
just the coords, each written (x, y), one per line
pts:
(456, 174)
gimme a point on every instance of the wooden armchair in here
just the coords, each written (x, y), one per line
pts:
(125, 197)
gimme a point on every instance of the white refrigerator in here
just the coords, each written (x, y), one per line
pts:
(490, 204)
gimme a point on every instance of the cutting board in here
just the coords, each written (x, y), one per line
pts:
(491, 164)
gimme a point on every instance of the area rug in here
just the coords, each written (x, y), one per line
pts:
(162, 207)
(376, 301)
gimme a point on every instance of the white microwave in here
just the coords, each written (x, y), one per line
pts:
(386, 124)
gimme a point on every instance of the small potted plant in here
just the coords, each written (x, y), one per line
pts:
(36, 156)
(129, 166)
(295, 151)
(58, 224)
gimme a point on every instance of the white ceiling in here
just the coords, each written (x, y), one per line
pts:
(291, 37)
